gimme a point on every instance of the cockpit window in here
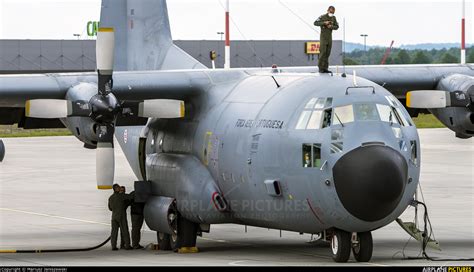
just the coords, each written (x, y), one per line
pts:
(303, 121)
(314, 116)
(310, 104)
(344, 115)
(315, 120)
(386, 114)
(320, 103)
(366, 112)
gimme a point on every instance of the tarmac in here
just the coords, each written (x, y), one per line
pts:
(48, 200)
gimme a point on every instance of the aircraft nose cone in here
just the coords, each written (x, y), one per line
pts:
(370, 181)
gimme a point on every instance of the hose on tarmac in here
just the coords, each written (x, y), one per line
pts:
(57, 250)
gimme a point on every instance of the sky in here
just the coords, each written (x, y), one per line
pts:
(406, 22)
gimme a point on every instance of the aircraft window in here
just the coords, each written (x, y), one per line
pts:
(336, 147)
(317, 155)
(315, 120)
(311, 155)
(403, 146)
(403, 118)
(397, 132)
(328, 102)
(366, 112)
(337, 135)
(414, 153)
(343, 114)
(398, 117)
(307, 161)
(303, 121)
(311, 103)
(320, 103)
(327, 118)
(386, 114)
(393, 101)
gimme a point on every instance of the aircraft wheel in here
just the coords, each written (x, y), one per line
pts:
(163, 241)
(2, 151)
(341, 246)
(362, 250)
(185, 236)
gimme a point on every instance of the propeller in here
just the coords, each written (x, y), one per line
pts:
(104, 108)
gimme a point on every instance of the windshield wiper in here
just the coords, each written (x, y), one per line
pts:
(339, 119)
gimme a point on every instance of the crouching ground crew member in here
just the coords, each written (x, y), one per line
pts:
(136, 211)
(118, 204)
(328, 23)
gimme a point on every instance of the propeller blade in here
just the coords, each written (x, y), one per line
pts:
(427, 99)
(46, 108)
(162, 108)
(105, 47)
(105, 158)
(437, 99)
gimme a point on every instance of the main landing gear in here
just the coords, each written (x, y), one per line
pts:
(342, 242)
(183, 236)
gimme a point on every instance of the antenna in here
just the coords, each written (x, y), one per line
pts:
(344, 47)
(227, 35)
(463, 33)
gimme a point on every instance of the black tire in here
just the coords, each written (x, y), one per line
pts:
(2, 151)
(341, 246)
(163, 241)
(363, 249)
(185, 236)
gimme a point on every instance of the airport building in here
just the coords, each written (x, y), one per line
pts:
(49, 56)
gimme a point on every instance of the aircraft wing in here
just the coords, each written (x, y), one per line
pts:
(399, 79)
(16, 90)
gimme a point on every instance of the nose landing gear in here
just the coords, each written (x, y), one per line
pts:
(342, 242)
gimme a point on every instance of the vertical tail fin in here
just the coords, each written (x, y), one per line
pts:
(143, 36)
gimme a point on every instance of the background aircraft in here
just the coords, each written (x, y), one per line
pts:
(285, 149)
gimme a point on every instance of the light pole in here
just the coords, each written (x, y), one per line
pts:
(365, 46)
(222, 35)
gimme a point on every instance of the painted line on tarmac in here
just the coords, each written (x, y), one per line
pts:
(236, 263)
(54, 216)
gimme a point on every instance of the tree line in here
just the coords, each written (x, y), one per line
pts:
(404, 56)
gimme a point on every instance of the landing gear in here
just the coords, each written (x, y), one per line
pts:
(342, 242)
(362, 246)
(341, 246)
(184, 234)
(163, 241)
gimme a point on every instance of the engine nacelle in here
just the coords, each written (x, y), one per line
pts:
(458, 119)
(159, 214)
(84, 128)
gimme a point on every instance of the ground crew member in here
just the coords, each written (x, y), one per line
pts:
(123, 190)
(117, 204)
(328, 23)
(136, 211)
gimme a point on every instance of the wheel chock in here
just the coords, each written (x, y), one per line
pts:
(187, 250)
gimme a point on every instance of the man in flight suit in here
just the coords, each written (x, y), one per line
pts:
(136, 211)
(117, 204)
(328, 23)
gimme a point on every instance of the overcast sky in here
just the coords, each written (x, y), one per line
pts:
(406, 22)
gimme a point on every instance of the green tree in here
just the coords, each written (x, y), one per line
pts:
(421, 58)
(448, 58)
(349, 61)
(470, 57)
(402, 57)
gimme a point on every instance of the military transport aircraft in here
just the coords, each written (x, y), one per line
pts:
(289, 149)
